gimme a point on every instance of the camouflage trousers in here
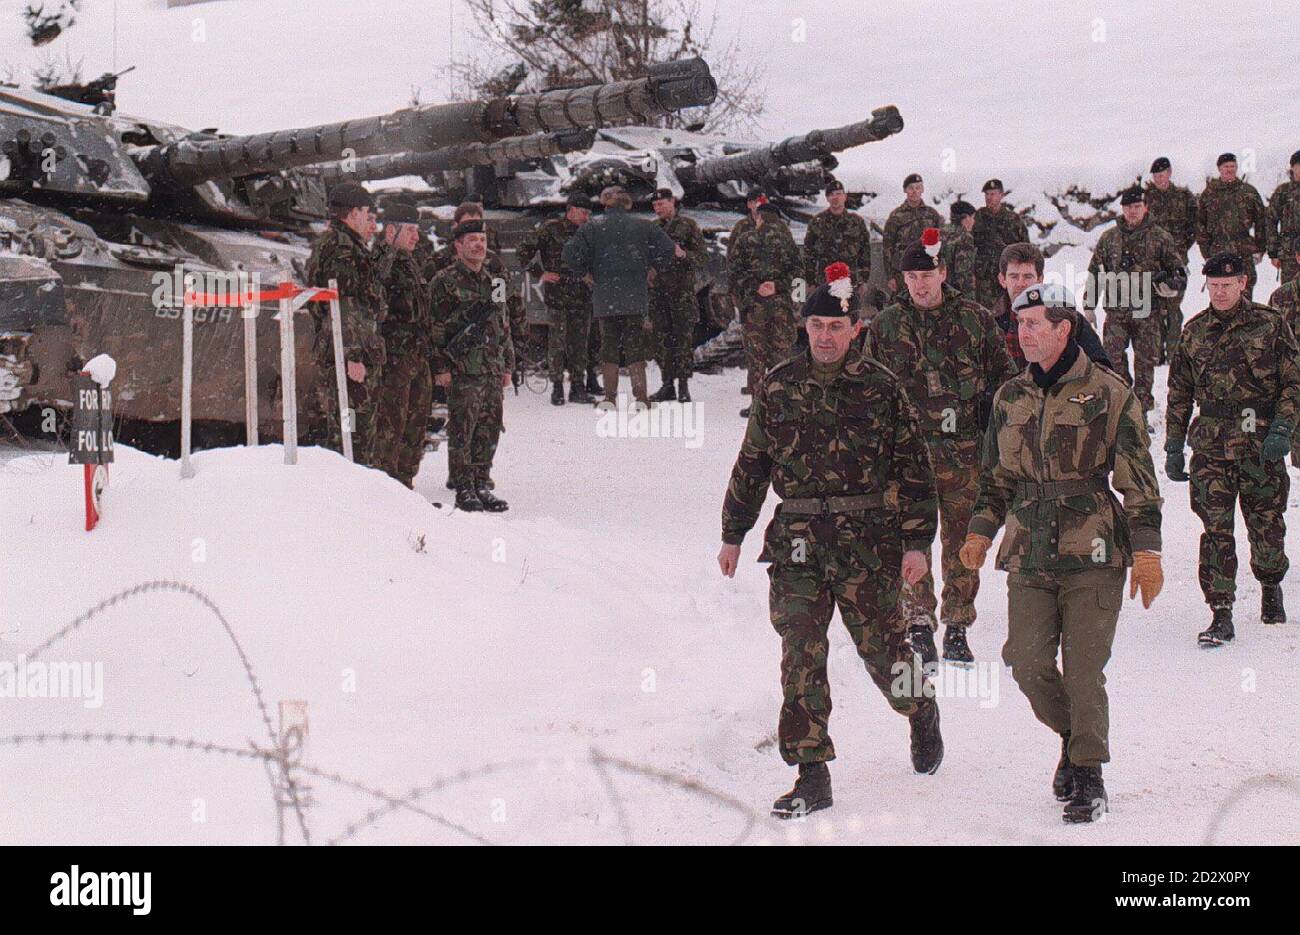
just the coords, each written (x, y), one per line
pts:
(626, 337)
(361, 397)
(673, 314)
(956, 479)
(1075, 612)
(568, 340)
(1216, 486)
(1171, 316)
(1122, 329)
(401, 415)
(802, 598)
(474, 421)
(1290, 268)
(768, 332)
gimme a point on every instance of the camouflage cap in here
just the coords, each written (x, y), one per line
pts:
(1044, 295)
(1223, 265)
(993, 185)
(1161, 164)
(350, 195)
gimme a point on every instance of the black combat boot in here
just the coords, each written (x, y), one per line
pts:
(557, 393)
(467, 499)
(927, 742)
(1220, 630)
(1088, 803)
(955, 648)
(577, 394)
(1063, 778)
(683, 390)
(1270, 608)
(665, 393)
(593, 382)
(744, 413)
(811, 792)
(923, 644)
(486, 498)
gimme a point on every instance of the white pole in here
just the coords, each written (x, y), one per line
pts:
(288, 383)
(250, 371)
(345, 412)
(187, 386)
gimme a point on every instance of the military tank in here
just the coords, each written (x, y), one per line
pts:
(103, 216)
(711, 177)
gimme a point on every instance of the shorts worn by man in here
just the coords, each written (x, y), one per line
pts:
(341, 253)
(951, 357)
(1240, 364)
(834, 435)
(473, 357)
(1056, 432)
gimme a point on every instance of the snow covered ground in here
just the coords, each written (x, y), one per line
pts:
(591, 617)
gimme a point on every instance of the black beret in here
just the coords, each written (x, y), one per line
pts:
(1160, 165)
(1224, 264)
(919, 258)
(754, 194)
(992, 185)
(468, 227)
(769, 207)
(664, 194)
(911, 180)
(350, 195)
(400, 212)
(825, 303)
(1295, 158)
(834, 186)
(1226, 157)
(961, 209)
(1132, 196)
(577, 200)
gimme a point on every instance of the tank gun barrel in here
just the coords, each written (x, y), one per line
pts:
(757, 164)
(510, 149)
(667, 87)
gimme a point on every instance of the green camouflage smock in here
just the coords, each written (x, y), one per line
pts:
(903, 228)
(1284, 226)
(836, 239)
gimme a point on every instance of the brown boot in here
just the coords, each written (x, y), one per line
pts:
(609, 377)
(640, 385)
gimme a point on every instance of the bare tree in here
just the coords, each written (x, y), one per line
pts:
(47, 21)
(560, 43)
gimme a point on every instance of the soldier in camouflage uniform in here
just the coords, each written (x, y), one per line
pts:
(997, 225)
(959, 248)
(673, 311)
(1284, 222)
(951, 357)
(1286, 299)
(1133, 260)
(406, 392)
(473, 357)
(342, 253)
(763, 266)
(903, 228)
(1227, 213)
(568, 300)
(833, 434)
(837, 235)
(1239, 362)
(1056, 432)
(1173, 208)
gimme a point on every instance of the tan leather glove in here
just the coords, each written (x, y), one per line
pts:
(1146, 575)
(974, 549)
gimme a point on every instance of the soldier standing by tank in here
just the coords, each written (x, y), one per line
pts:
(833, 434)
(903, 228)
(837, 235)
(568, 300)
(959, 248)
(1240, 363)
(763, 267)
(1173, 208)
(405, 393)
(342, 253)
(1057, 431)
(472, 357)
(996, 226)
(1284, 221)
(1133, 260)
(951, 357)
(1231, 218)
(672, 299)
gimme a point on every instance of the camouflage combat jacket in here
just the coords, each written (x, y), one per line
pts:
(543, 252)
(765, 254)
(958, 253)
(1050, 459)
(340, 255)
(1174, 209)
(831, 239)
(1286, 299)
(471, 330)
(903, 228)
(680, 277)
(1226, 214)
(1245, 365)
(406, 330)
(1146, 248)
(1283, 219)
(856, 437)
(994, 231)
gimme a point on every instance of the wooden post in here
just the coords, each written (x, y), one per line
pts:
(251, 309)
(346, 415)
(288, 382)
(187, 386)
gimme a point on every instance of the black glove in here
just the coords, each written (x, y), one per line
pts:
(1175, 462)
(1276, 443)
